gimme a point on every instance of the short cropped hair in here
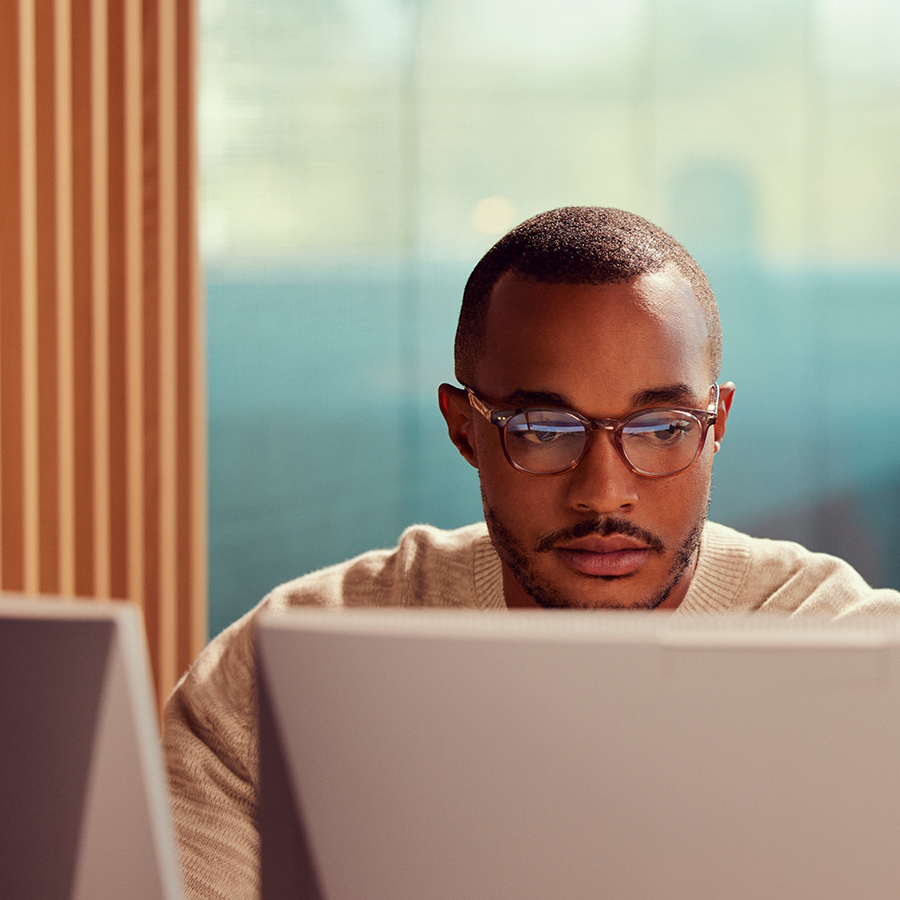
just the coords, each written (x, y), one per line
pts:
(577, 245)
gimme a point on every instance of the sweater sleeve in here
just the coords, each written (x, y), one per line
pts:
(210, 744)
(210, 740)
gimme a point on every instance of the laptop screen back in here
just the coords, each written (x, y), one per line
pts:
(432, 756)
(83, 802)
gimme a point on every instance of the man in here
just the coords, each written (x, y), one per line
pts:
(588, 351)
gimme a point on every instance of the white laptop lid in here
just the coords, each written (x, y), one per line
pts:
(436, 756)
(84, 811)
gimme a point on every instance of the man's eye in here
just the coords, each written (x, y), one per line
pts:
(532, 435)
(664, 432)
(541, 436)
(539, 428)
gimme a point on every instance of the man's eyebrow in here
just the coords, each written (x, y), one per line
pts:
(667, 395)
(522, 399)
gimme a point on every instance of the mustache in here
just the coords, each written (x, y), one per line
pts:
(604, 526)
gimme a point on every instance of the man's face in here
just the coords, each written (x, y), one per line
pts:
(599, 536)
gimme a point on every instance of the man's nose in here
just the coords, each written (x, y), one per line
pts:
(602, 482)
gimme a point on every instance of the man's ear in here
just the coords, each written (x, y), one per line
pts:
(726, 395)
(458, 415)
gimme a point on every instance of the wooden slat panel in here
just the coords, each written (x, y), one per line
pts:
(28, 224)
(65, 294)
(100, 298)
(119, 519)
(192, 574)
(102, 393)
(12, 574)
(134, 313)
(168, 343)
(151, 327)
(82, 383)
(48, 344)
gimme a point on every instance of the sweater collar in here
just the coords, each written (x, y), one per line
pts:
(723, 564)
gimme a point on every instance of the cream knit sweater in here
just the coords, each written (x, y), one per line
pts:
(210, 724)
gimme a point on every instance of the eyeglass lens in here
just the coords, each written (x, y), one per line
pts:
(547, 441)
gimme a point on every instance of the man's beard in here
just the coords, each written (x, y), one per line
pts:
(548, 596)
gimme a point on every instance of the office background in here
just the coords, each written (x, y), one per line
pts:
(358, 157)
(102, 349)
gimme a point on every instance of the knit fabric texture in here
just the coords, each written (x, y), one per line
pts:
(210, 737)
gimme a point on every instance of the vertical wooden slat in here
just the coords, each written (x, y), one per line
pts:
(28, 224)
(100, 299)
(192, 571)
(48, 343)
(151, 323)
(134, 317)
(194, 622)
(117, 344)
(168, 340)
(11, 497)
(8, 109)
(65, 295)
(82, 384)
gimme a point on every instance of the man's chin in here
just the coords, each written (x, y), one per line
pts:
(629, 592)
(556, 600)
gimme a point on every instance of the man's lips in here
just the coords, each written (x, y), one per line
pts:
(610, 557)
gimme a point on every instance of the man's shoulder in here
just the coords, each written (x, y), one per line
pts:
(737, 572)
(429, 567)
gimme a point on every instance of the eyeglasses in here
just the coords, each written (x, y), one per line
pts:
(654, 442)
